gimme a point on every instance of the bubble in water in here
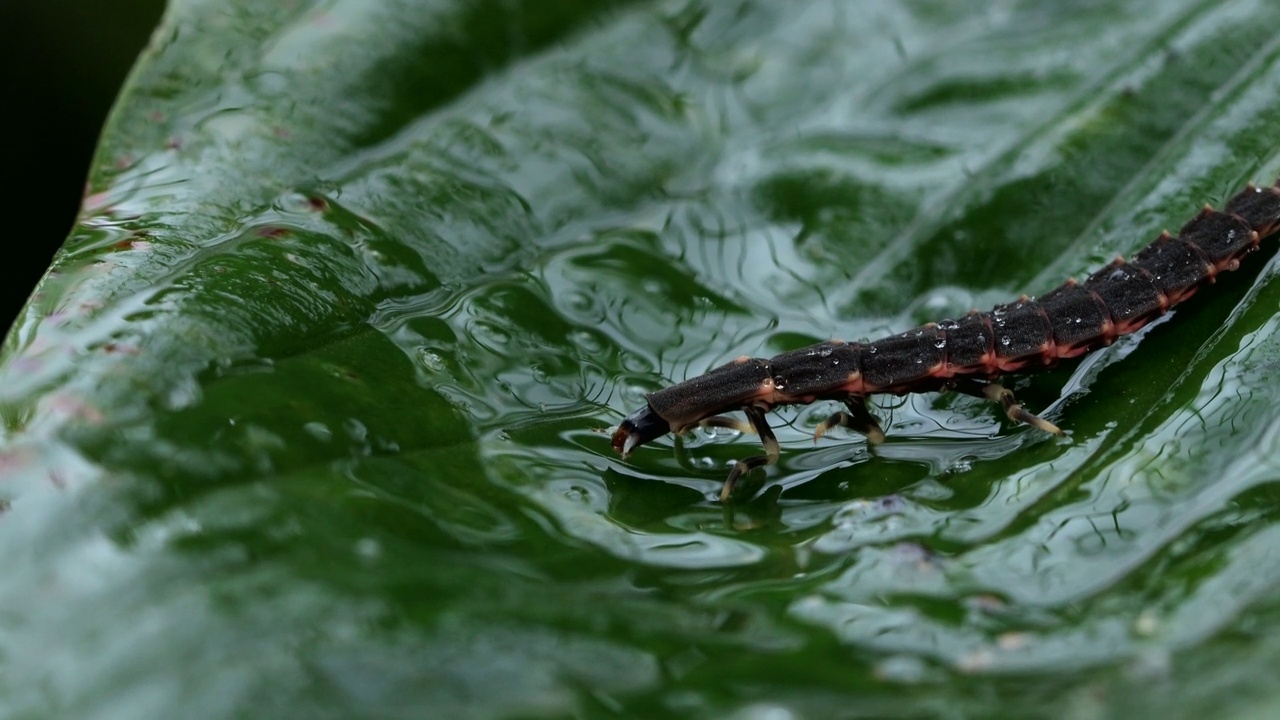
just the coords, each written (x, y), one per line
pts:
(901, 669)
(765, 711)
(714, 433)
(431, 360)
(482, 331)
(577, 301)
(319, 431)
(355, 429)
(587, 342)
(368, 549)
(635, 393)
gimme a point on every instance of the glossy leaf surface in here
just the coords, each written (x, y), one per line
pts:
(305, 419)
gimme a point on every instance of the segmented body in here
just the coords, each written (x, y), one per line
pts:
(960, 354)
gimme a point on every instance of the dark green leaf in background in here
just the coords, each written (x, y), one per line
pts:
(305, 418)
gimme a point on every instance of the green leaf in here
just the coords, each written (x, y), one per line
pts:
(304, 420)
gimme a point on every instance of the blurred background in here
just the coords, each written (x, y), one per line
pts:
(66, 60)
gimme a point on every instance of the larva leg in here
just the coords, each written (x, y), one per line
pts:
(771, 452)
(996, 392)
(858, 419)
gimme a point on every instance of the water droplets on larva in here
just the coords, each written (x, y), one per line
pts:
(871, 349)
(1079, 320)
(1004, 340)
(825, 352)
(940, 343)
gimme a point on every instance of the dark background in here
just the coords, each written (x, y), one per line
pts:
(64, 63)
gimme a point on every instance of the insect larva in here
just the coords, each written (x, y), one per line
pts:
(966, 354)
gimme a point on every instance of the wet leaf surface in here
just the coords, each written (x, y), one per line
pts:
(305, 419)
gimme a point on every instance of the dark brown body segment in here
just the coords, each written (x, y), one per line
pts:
(902, 359)
(1219, 236)
(1129, 293)
(1177, 265)
(733, 385)
(1260, 207)
(1023, 335)
(812, 371)
(1079, 318)
(969, 343)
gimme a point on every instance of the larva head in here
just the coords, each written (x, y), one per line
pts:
(680, 407)
(637, 429)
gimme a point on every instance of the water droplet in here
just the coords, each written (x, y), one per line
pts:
(824, 352)
(484, 331)
(431, 360)
(1078, 319)
(368, 549)
(1005, 340)
(940, 343)
(319, 431)
(355, 429)
(872, 349)
(579, 302)
(587, 342)
(714, 433)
